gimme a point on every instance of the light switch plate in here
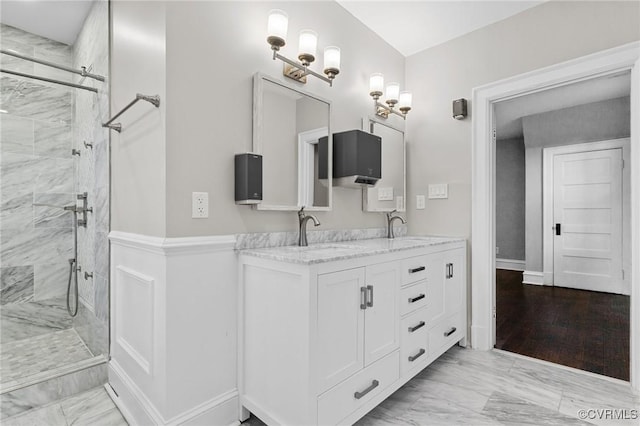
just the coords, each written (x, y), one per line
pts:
(385, 194)
(438, 190)
(420, 202)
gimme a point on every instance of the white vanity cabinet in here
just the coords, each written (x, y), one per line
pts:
(322, 342)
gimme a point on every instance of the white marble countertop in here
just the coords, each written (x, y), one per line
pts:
(333, 251)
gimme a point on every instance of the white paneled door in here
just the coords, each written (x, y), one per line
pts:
(587, 212)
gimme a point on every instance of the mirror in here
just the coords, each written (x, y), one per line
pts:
(390, 191)
(287, 126)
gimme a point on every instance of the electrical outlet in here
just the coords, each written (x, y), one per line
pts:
(420, 202)
(199, 205)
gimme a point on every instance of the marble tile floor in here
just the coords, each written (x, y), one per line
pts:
(495, 388)
(20, 321)
(93, 407)
(21, 360)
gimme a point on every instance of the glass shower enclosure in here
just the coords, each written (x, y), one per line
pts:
(54, 216)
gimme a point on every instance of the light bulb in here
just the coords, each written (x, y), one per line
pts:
(331, 61)
(392, 92)
(376, 84)
(307, 46)
(277, 28)
(404, 103)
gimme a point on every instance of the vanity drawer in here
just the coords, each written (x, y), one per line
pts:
(414, 269)
(446, 332)
(413, 297)
(346, 397)
(414, 338)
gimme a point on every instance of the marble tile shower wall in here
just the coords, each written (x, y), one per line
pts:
(92, 176)
(35, 167)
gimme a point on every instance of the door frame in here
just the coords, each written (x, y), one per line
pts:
(547, 199)
(610, 61)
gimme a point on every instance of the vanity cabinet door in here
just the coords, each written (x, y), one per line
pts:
(341, 308)
(382, 316)
(454, 278)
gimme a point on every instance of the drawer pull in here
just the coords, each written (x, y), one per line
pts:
(369, 298)
(363, 298)
(416, 356)
(415, 327)
(450, 332)
(418, 269)
(359, 395)
(415, 299)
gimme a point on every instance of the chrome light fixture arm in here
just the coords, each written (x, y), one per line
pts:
(300, 70)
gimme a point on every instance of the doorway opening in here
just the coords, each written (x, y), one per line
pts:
(607, 63)
(562, 209)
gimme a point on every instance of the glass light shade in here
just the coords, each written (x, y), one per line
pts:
(392, 93)
(277, 24)
(376, 83)
(308, 43)
(332, 58)
(405, 100)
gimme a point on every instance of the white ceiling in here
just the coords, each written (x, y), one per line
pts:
(412, 26)
(57, 20)
(509, 113)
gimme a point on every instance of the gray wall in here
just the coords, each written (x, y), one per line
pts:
(209, 96)
(510, 198)
(584, 123)
(439, 149)
(138, 154)
(222, 44)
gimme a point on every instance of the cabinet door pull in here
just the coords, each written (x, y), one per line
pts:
(415, 299)
(369, 298)
(449, 273)
(373, 385)
(415, 327)
(418, 269)
(363, 298)
(450, 332)
(416, 356)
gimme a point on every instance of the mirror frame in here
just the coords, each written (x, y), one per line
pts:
(367, 122)
(258, 92)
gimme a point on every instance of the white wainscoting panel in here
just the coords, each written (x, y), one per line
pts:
(133, 303)
(173, 329)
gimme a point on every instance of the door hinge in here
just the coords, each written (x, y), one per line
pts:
(623, 274)
(494, 312)
(623, 163)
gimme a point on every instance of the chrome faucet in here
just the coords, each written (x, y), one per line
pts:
(302, 221)
(390, 219)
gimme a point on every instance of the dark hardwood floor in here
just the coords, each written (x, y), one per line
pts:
(577, 328)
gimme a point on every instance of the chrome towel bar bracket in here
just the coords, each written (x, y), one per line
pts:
(152, 99)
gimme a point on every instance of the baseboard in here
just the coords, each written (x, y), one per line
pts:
(480, 339)
(510, 264)
(533, 277)
(138, 410)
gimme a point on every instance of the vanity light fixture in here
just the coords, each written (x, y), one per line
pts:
(392, 93)
(277, 25)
